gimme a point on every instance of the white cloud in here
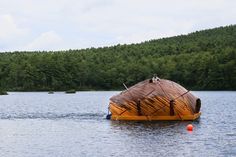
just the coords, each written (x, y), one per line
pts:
(46, 41)
(9, 29)
(93, 23)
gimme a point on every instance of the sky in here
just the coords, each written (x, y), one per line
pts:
(29, 25)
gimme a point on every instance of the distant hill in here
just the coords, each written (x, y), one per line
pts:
(203, 60)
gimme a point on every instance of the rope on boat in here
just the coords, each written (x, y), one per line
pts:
(181, 95)
(127, 89)
(172, 100)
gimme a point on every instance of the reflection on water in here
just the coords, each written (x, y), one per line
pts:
(150, 126)
(38, 124)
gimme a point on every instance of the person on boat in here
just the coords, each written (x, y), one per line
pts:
(155, 79)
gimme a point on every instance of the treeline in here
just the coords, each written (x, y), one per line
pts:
(203, 60)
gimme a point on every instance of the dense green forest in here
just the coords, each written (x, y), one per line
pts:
(203, 60)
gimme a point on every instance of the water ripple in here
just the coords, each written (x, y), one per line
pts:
(53, 116)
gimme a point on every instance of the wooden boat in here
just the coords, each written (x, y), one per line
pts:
(155, 99)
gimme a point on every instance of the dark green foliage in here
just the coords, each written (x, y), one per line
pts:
(204, 60)
(71, 91)
(50, 92)
(2, 92)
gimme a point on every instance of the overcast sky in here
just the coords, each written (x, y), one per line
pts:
(76, 24)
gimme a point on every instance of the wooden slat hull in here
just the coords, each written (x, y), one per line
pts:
(155, 118)
(163, 100)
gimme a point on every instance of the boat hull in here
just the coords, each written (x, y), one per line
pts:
(156, 118)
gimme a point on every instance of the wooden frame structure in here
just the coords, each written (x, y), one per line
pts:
(155, 100)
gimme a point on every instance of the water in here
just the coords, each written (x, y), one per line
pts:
(38, 124)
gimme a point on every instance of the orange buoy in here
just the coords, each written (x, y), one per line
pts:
(189, 127)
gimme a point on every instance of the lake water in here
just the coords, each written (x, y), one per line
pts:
(37, 124)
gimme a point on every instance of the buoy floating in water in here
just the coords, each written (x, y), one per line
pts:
(189, 127)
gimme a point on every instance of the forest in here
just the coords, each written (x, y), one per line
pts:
(202, 60)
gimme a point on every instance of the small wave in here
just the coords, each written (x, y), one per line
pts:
(53, 116)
